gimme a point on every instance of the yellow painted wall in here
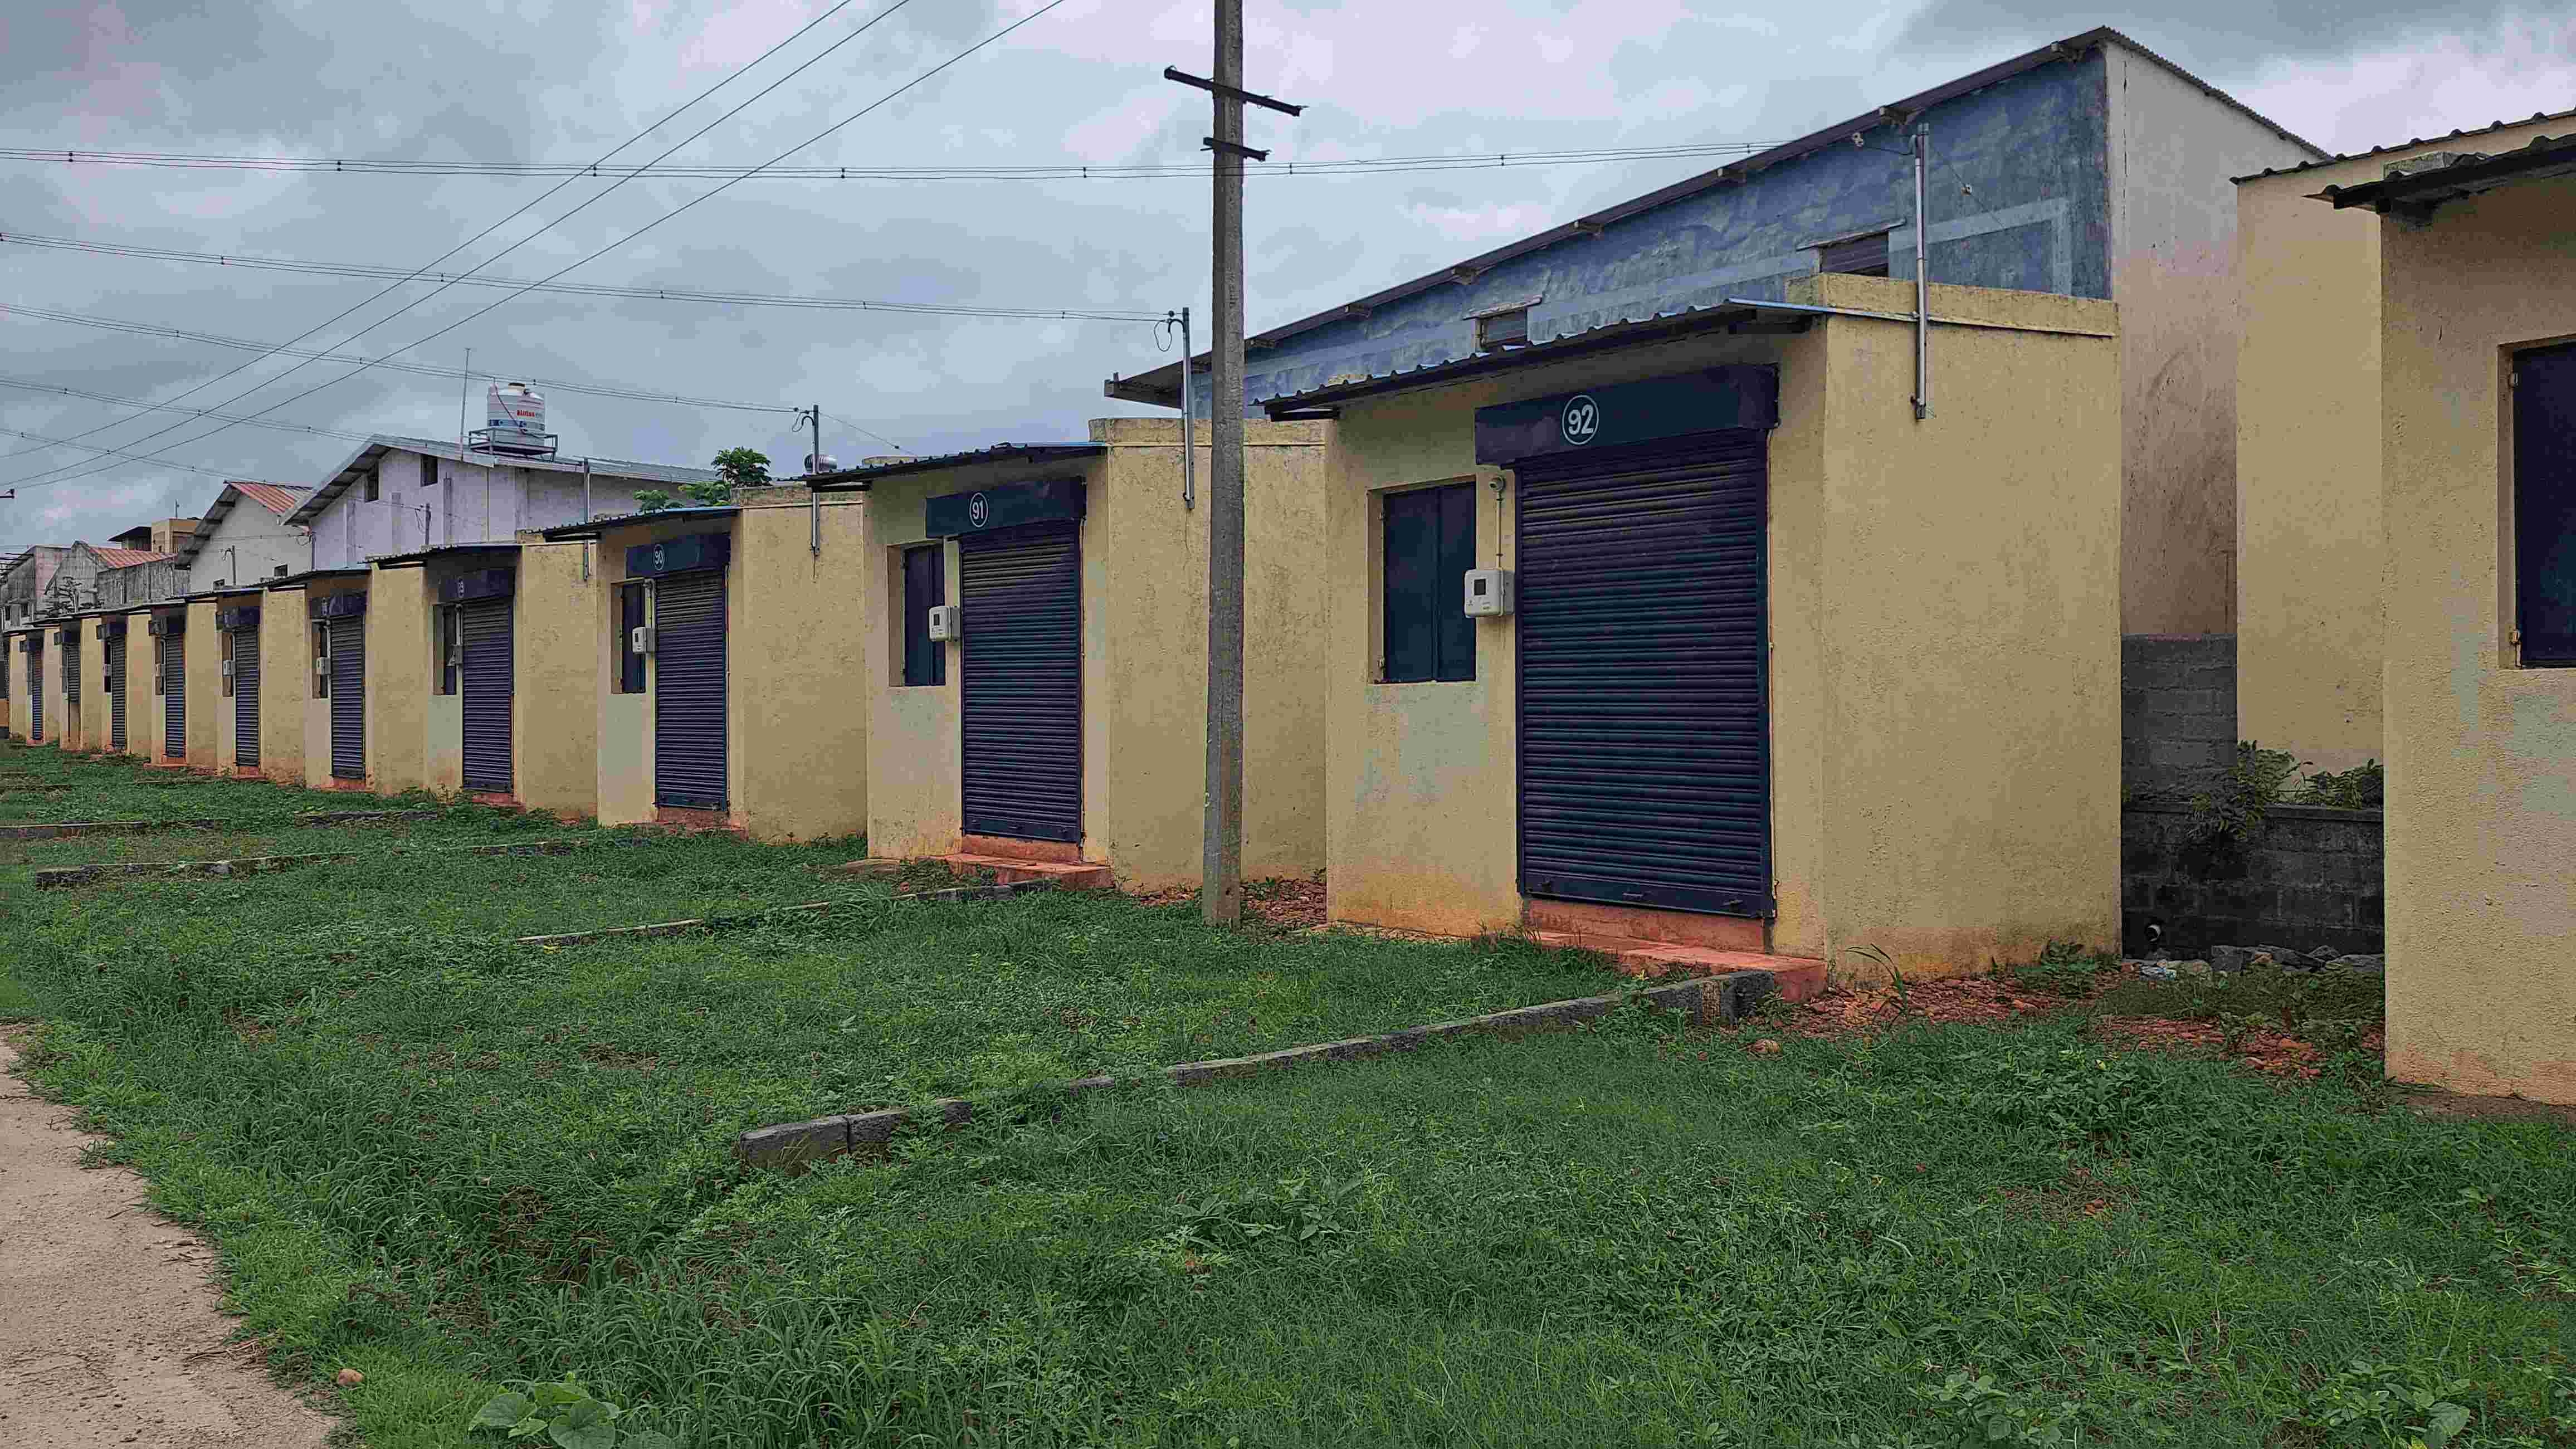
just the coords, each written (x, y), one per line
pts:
(2308, 542)
(285, 683)
(797, 700)
(1945, 591)
(2481, 753)
(206, 701)
(62, 704)
(20, 715)
(399, 663)
(1144, 625)
(316, 708)
(561, 647)
(626, 720)
(143, 691)
(95, 712)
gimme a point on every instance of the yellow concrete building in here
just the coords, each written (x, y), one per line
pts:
(68, 724)
(159, 723)
(2309, 533)
(721, 643)
(1064, 718)
(487, 653)
(1774, 667)
(2477, 432)
(317, 726)
(286, 681)
(230, 620)
(100, 727)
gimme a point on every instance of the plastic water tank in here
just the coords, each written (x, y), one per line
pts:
(515, 416)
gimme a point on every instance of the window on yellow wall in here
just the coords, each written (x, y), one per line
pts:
(1429, 543)
(2544, 506)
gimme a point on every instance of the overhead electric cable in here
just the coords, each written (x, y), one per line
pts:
(710, 170)
(422, 369)
(138, 457)
(590, 289)
(863, 28)
(683, 207)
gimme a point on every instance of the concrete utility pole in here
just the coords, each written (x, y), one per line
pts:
(1221, 887)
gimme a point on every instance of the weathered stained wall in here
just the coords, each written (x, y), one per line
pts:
(560, 639)
(2308, 458)
(21, 716)
(2481, 797)
(1986, 637)
(2312, 877)
(1144, 622)
(285, 683)
(2177, 713)
(796, 702)
(2173, 271)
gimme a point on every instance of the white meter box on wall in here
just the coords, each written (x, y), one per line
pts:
(947, 622)
(1489, 593)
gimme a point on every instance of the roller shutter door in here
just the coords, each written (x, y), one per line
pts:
(487, 683)
(116, 692)
(348, 638)
(1644, 723)
(246, 698)
(174, 696)
(36, 698)
(72, 677)
(1021, 593)
(689, 691)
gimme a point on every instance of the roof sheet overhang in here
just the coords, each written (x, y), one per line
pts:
(857, 479)
(1161, 387)
(2417, 194)
(419, 556)
(297, 581)
(598, 526)
(1738, 318)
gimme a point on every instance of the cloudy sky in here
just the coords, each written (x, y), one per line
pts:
(1081, 83)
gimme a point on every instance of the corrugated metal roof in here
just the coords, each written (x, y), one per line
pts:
(382, 443)
(1161, 387)
(849, 478)
(1722, 316)
(2537, 118)
(119, 558)
(274, 497)
(596, 526)
(2417, 193)
(277, 498)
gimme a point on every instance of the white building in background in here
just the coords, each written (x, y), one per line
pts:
(245, 537)
(401, 495)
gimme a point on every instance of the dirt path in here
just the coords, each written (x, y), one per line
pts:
(110, 1334)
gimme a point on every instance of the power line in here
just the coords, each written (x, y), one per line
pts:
(20, 382)
(587, 289)
(738, 71)
(422, 369)
(709, 170)
(94, 448)
(682, 208)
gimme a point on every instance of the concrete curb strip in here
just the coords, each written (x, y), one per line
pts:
(68, 828)
(715, 923)
(63, 876)
(1724, 998)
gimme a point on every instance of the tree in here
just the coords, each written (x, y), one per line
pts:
(738, 468)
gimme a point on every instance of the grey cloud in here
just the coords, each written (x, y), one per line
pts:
(2215, 36)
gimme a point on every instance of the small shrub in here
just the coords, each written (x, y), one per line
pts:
(2400, 1406)
(2066, 969)
(567, 1415)
(2255, 781)
(2363, 787)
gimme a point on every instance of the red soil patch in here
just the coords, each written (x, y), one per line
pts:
(2270, 1052)
(1985, 1001)
(1288, 903)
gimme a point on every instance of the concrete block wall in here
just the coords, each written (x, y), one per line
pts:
(2313, 877)
(2177, 713)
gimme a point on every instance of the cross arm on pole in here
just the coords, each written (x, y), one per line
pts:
(1211, 143)
(1231, 92)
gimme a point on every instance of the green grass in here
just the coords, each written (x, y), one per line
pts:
(450, 1162)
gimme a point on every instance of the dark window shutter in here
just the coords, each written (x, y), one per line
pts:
(1020, 693)
(925, 587)
(245, 698)
(116, 693)
(2544, 505)
(689, 679)
(1430, 542)
(348, 698)
(1862, 256)
(174, 697)
(485, 657)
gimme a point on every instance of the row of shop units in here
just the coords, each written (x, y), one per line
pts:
(1687, 630)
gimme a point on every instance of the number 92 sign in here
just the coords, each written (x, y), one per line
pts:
(1581, 421)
